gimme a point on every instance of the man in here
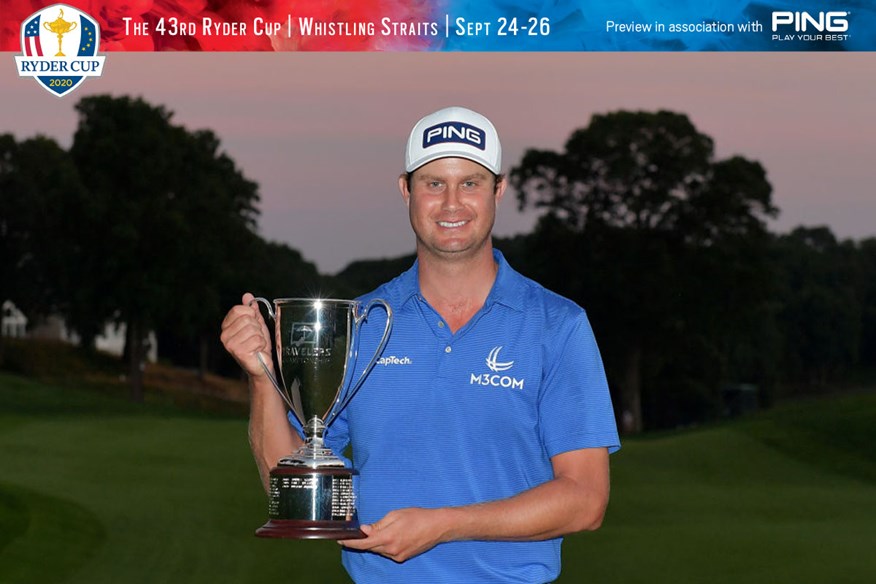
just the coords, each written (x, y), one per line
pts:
(484, 438)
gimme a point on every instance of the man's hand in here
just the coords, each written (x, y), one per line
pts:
(574, 500)
(245, 335)
(403, 533)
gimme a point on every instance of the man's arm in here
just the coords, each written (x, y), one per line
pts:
(574, 500)
(245, 335)
(271, 437)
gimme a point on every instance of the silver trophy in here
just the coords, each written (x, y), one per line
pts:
(317, 346)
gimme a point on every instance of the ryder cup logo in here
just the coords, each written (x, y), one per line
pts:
(59, 48)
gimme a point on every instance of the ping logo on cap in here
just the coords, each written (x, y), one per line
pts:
(456, 132)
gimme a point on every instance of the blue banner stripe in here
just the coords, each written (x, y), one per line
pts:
(657, 25)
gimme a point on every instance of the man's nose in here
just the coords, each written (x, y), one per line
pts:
(451, 197)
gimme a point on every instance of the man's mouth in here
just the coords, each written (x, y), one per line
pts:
(452, 224)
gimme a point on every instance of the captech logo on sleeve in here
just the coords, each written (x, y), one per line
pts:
(59, 48)
(393, 360)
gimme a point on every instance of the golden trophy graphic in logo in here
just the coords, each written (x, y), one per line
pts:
(60, 27)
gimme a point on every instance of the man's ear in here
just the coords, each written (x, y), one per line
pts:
(403, 188)
(501, 185)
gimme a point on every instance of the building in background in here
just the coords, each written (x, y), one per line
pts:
(14, 322)
(111, 340)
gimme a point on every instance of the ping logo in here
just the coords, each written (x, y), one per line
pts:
(74, 34)
(802, 21)
(455, 132)
(494, 364)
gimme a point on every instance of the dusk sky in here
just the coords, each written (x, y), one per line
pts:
(323, 133)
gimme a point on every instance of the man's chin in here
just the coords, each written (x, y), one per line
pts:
(457, 250)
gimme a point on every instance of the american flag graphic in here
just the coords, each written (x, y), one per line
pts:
(32, 46)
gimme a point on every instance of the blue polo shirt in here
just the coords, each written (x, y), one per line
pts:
(449, 419)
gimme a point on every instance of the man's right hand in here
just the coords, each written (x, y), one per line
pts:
(245, 334)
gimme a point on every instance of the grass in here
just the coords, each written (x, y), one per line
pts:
(162, 496)
(37, 527)
(95, 489)
(719, 506)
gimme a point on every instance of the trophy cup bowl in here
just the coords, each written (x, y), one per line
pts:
(310, 492)
(60, 27)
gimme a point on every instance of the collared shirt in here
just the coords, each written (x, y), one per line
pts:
(449, 419)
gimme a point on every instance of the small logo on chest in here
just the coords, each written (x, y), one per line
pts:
(496, 366)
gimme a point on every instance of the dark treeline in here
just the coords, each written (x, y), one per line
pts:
(141, 222)
(688, 292)
(147, 223)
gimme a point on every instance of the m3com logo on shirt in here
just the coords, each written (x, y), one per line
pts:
(494, 379)
(494, 364)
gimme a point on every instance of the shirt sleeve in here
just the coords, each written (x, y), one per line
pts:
(296, 425)
(575, 409)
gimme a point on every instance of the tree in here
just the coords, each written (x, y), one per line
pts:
(170, 212)
(867, 249)
(820, 304)
(42, 200)
(216, 219)
(272, 270)
(362, 276)
(636, 200)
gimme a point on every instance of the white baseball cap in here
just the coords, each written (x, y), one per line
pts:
(454, 132)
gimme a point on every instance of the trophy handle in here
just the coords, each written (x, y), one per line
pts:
(357, 319)
(261, 359)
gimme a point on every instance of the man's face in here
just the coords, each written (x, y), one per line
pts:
(452, 204)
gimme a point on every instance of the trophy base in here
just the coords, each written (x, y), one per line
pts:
(291, 529)
(311, 503)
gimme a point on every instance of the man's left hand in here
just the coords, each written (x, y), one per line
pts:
(402, 534)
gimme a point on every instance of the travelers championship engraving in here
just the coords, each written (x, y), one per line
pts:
(304, 340)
